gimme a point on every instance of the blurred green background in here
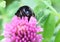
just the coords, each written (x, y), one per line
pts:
(47, 13)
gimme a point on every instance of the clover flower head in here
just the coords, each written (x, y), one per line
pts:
(20, 30)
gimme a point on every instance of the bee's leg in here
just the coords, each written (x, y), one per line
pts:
(29, 18)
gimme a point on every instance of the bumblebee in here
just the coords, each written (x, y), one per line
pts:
(25, 11)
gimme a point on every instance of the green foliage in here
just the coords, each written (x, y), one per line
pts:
(1, 37)
(57, 39)
(46, 12)
(56, 4)
(1, 26)
(8, 2)
(30, 3)
(49, 26)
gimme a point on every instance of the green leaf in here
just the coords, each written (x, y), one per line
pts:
(8, 2)
(56, 4)
(49, 27)
(58, 22)
(30, 3)
(1, 28)
(40, 6)
(57, 39)
(1, 37)
(46, 13)
(42, 15)
(49, 1)
(1, 0)
(2, 7)
(11, 10)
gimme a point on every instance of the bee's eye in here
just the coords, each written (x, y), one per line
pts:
(25, 11)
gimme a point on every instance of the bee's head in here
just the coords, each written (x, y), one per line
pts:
(25, 11)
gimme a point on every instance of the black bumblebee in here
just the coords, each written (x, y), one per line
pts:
(25, 11)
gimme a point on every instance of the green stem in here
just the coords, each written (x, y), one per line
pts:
(40, 19)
